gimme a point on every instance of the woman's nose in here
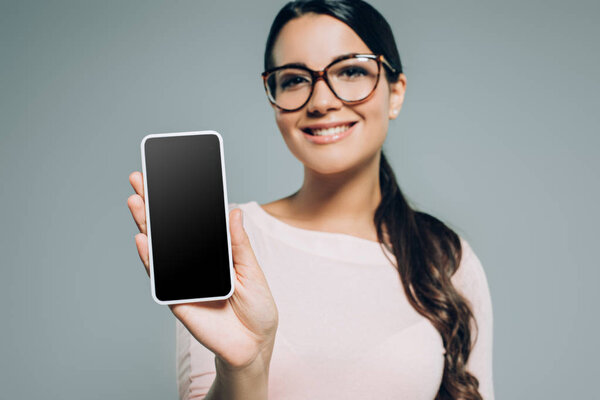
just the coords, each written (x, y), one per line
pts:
(322, 99)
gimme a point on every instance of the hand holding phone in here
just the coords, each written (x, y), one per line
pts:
(239, 328)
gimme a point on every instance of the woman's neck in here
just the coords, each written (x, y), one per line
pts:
(342, 202)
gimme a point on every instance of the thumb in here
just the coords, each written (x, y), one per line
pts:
(241, 250)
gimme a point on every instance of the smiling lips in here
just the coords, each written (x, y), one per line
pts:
(333, 128)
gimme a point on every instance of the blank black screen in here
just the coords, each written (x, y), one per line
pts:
(187, 217)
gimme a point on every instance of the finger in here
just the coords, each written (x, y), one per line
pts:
(138, 211)
(241, 249)
(137, 182)
(141, 241)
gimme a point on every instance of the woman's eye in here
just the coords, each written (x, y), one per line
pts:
(292, 81)
(353, 72)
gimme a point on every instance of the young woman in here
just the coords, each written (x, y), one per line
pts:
(366, 297)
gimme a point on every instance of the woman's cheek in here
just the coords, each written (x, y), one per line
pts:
(376, 121)
(285, 122)
(286, 127)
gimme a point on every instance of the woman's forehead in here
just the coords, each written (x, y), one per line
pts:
(315, 40)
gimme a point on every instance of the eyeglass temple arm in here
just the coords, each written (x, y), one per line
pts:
(388, 64)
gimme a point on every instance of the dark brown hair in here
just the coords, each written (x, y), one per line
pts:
(427, 251)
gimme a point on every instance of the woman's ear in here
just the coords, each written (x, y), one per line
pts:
(397, 90)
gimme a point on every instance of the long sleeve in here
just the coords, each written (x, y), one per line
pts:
(471, 281)
(196, 369)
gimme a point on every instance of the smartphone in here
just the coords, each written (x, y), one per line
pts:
(187, 217)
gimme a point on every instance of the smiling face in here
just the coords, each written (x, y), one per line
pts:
(316, 40)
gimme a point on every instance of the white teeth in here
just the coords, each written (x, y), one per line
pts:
(330, 131)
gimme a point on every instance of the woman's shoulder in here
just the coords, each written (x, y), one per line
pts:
(250, 209)
(470, 270)
(470, 266)
(471, 279)
(258, 212)
(243, 206)
(231, 206)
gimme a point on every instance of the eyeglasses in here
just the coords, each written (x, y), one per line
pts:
(352, 78)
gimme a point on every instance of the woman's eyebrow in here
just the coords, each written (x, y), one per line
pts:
(303, 65)
(294, 64)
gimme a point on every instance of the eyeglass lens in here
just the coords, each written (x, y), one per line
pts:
(351, 79)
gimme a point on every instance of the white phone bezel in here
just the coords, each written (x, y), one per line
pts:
(148, 222)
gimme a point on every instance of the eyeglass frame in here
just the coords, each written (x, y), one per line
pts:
(322, 74)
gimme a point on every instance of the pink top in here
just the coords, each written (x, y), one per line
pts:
(346, 329)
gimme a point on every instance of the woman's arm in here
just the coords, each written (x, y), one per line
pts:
(470, 279)
(203, 375)
(247, 383)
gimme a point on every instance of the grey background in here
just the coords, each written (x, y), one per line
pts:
(498, 137)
